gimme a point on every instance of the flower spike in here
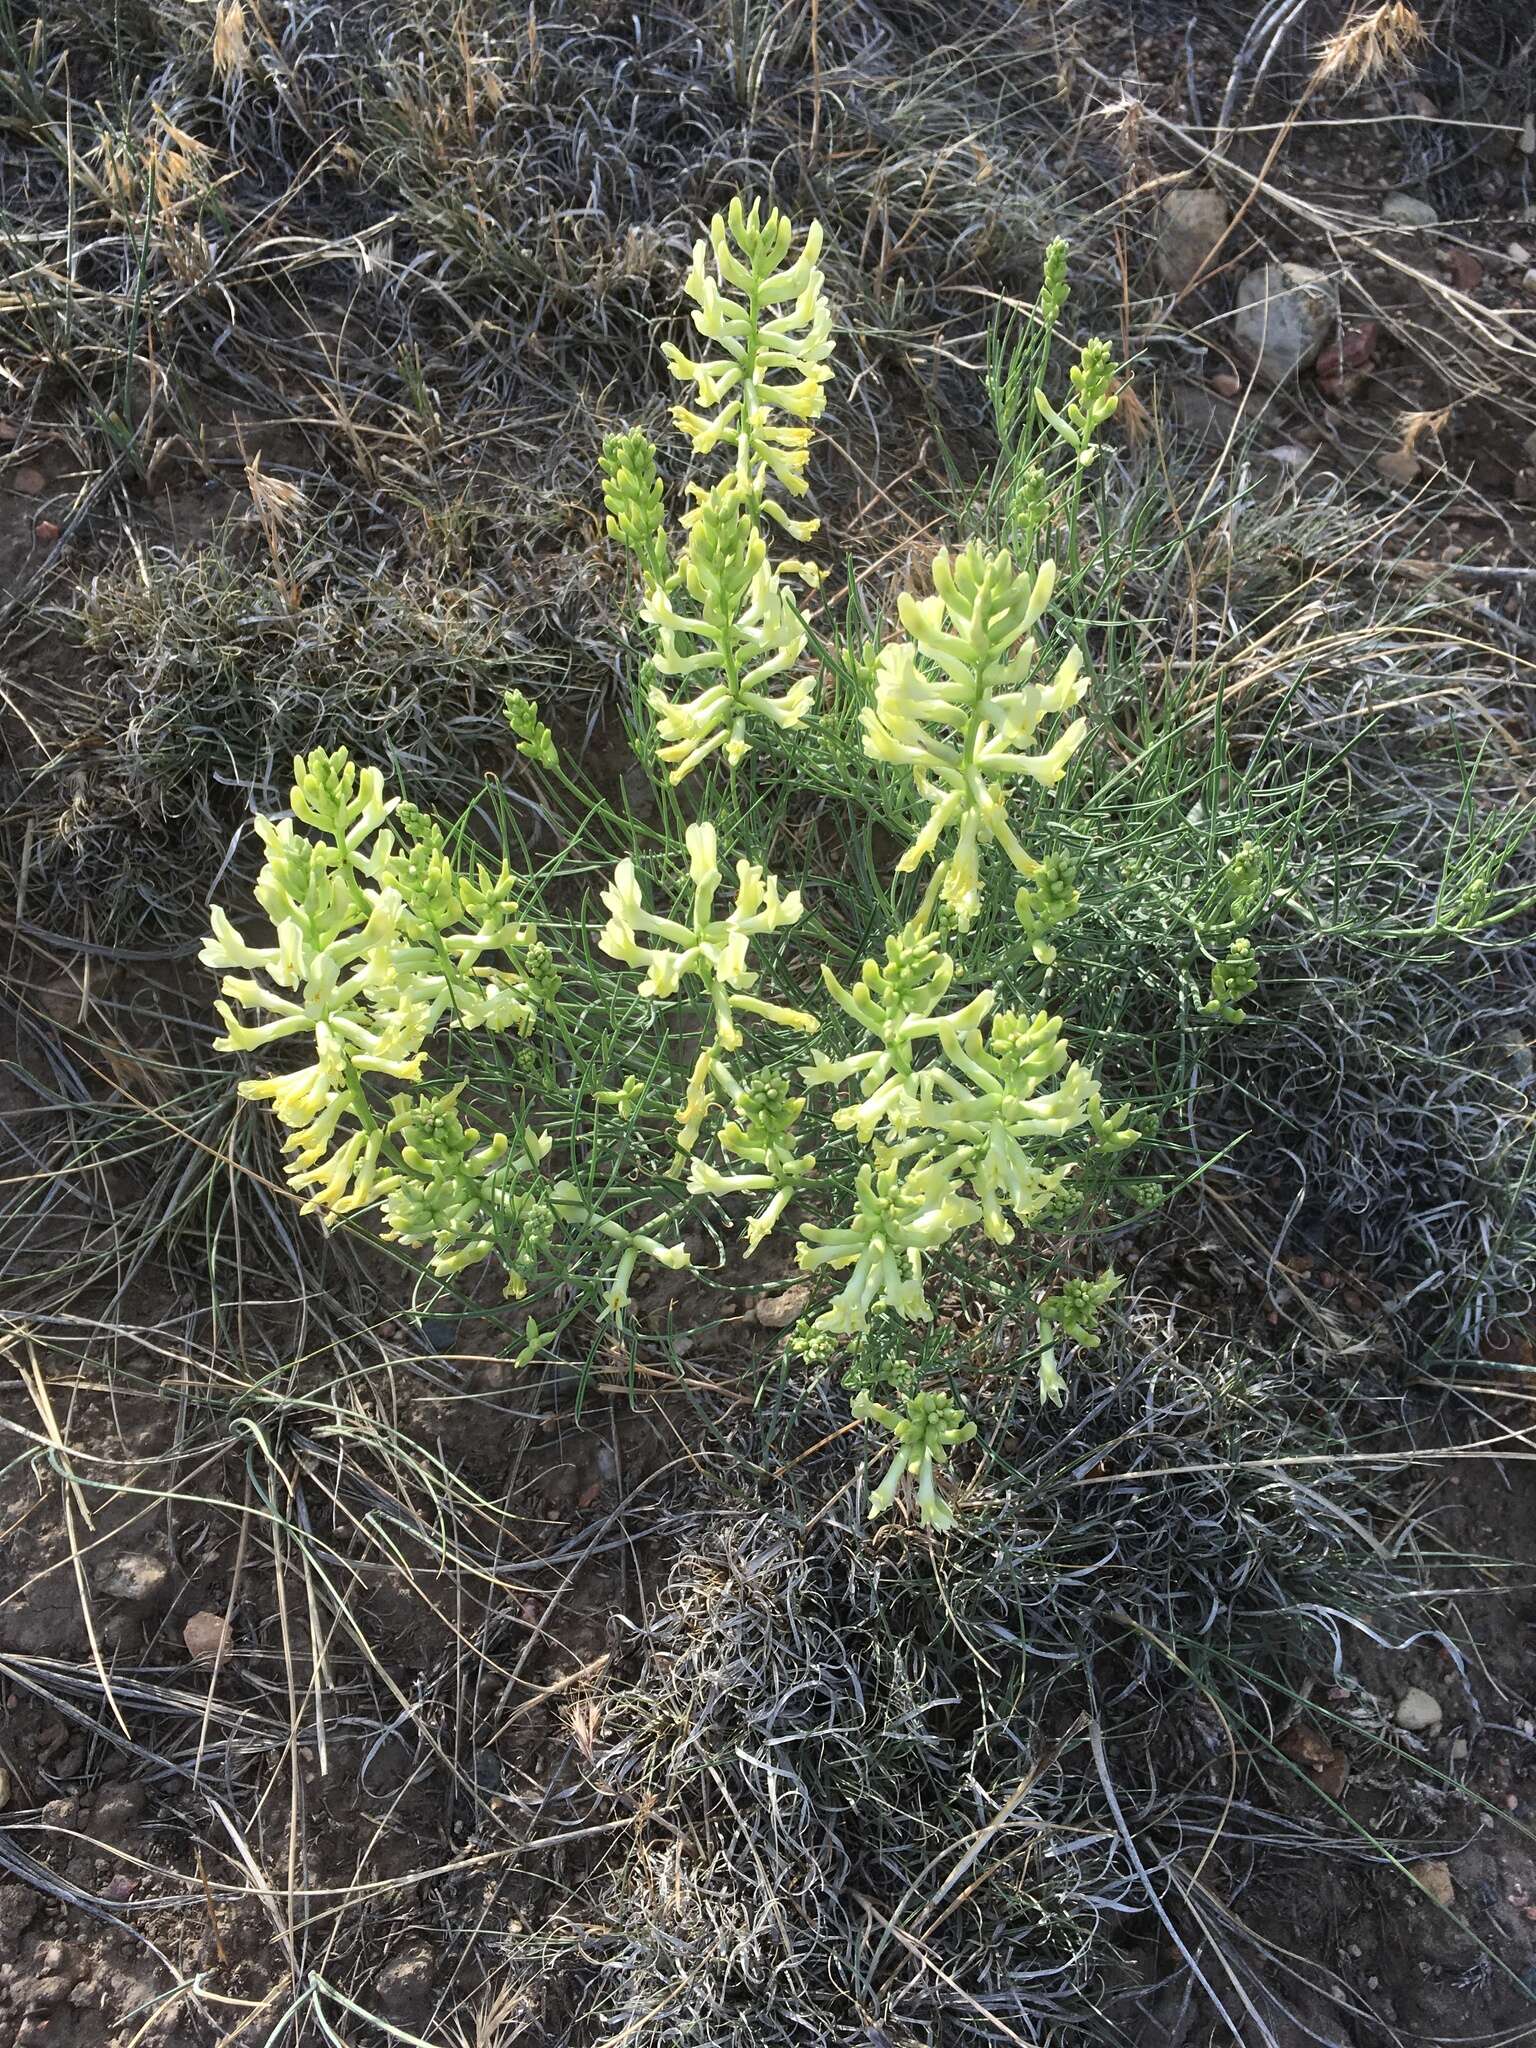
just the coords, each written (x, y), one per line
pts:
(959, 702)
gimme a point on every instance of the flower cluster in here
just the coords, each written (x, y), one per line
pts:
(931, 1111)
(990, 1110)
(959, 701)
(724, 629)
(1233, 979)
(926, 1431)
(379, 940)
(1071, 1312)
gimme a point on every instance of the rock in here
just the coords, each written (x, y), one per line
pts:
(1201, 414)
(135, 1577)
(41, 1994)
(1419, 1712)
(119, 1807)
(18, 1905)
(1404, 211)
(1466, 271)
(30, 482)
(207, 1637)
(1191, 220)
(1434, 1877)
(1342, 367)
(1329, 1766)
(1284, 315)
(404, 1987)
(778, 1311)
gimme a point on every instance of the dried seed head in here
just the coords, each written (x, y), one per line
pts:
(1380, 43)
(231, 41)
(279, 506)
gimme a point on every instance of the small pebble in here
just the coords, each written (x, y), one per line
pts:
(1405, 211)
(1418, 1711)
(30, 481)
(207, 1637)
(135, 1576)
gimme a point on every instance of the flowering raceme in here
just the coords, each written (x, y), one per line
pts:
(948, 706)
(722, 622)
(943, 1102)
(712, 949)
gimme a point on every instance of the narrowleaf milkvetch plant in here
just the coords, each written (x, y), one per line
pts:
(695, 1039)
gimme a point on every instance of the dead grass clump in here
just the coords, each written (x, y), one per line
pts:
(879, 1793)
(203, 676)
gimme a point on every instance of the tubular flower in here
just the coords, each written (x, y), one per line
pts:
(379, 942)
(759, 1136)
(768, 334)
(997, 1108)
(709, 949)
(724, 621)
(568, 1203)
(925, 1435)
(896, 1003)
(898, 1217)
(946, 706)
